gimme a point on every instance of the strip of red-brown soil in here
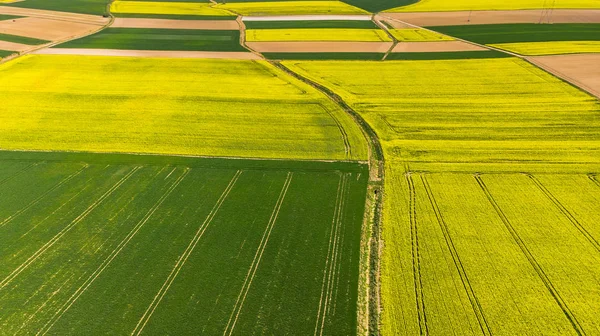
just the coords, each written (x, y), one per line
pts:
(380, 47)
(431, 19)
(149, 53)
(582, 70)
(45, 29)
(442, 46)
(175, 24)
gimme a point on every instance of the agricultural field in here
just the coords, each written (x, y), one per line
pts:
(95, 7)
(418, 35)
(183, 107)
(290, 8)
(140, 244)
(550, 48)
(173, 10)
(317, 34)
(464, 141)
(466, 5)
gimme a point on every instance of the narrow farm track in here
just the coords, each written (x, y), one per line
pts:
(26, 168)
(239, 304)
(594, 179)
(475, 304)
(565, 212)
(59, 313)
(537, 267)
(376, 187)
(184, 257)
(66, 229)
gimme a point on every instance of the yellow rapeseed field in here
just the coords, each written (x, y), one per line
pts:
(461, 5)
(166, 8)
(171, 106)
(317, 34)
(291, 7)
(551, 48)
(418, 35)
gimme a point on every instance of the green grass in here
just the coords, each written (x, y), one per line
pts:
(21, 39)
(324, 56)
(379, 5)
(4, 53)
(160, 39)
(310, 24)
(525, 32)
(170, 106)
(126, 233)
(8, 17)
(96, 7)
(446, 55)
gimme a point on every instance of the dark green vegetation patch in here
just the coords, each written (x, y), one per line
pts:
(21, 39)
(175, 245)
(97, 7)
(4, 53)
(523, 32)
(160, 39)
(446, 55)
(325, 56)
(9, 17)
(310, 24)
(379, 5)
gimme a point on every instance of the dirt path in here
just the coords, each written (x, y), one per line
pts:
(581, 70)
(319, 46)
(149, 53)
(432, 19)
(175, 24)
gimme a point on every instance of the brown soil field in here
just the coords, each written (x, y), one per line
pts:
(45, 29)
(432, 19)
(40, 13)
(582, 70)
(320, 46)
(149, 53)
(441, 46)
(11, 46)
(175, 24)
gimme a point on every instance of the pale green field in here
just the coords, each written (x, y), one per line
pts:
(550, 48)
(316, 34)
(461, 5)
(166, 8)
(291, 7)
(170, 106)
(472, 244)
(418, 35)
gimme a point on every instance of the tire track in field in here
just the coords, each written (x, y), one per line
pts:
(416, 257)
(26, 168)
(593, 178)
(327, 287)
(565, 212)
(42, 196)
(239, 304)
(536, 266)
(184, 257)
(115, 252)
(66, 229)
(475, 304)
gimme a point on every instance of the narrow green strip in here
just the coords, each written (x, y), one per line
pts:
(4, 53)
(21, 39)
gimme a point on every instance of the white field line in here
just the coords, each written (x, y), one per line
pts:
(239, 304)
(308, 18)
(66, 229)
(65, 307)
(331, 281)
(38, 199)
(332, 238)
(182, 260)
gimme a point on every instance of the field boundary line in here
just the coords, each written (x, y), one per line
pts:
(416, 257)
(66, 229)
(329, 273)
(42, 196)
(475, 304)
(383, 27)
(257, 258)
(116, 251)
(184, 257)
(565, 212)
(536, 266)
(593, 178)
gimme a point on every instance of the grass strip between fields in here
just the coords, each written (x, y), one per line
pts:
(4, 53)
(8, 17)
(22, 39)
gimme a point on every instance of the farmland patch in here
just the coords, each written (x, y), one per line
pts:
(290, 8)
(465, 5)
(581, 70)
(314, 34)
(167, 9)
(550, 48)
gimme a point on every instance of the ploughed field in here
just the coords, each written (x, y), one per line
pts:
(130, 244)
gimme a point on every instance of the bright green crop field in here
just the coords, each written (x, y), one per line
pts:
(232, 246)
(182, 106)
(491, 194)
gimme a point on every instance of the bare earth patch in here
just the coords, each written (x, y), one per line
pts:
(175, 24)
(149, 53)
(581, 70)
(40, 13)
(11, 46)
(45, 29)
(432, 19)
(443, 46)
(295, 47)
